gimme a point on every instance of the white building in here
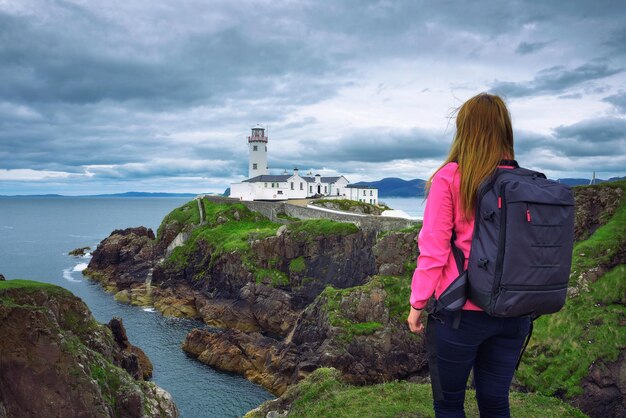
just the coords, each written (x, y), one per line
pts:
(264, 186)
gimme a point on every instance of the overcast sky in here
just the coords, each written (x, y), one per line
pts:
(150, 95)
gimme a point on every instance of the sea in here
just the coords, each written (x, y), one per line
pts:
(36, 234)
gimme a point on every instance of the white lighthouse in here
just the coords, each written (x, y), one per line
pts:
(261, 185)
(257, 146)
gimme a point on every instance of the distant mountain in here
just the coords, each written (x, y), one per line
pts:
(585, 182)
(396, 187)
(126, 194)
(145, 194)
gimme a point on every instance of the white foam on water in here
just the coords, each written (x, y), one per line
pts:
(87, 255)
(7, 227)
(80, 267)
(67, 275)
(148, 310)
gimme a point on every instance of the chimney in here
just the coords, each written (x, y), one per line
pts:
(295, 171)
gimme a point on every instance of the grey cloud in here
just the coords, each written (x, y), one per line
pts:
(378, 145)
(618, 100)
(601, 137)
(554, 80)
(127, 83)
(205, 68)
(594, 131)
(525, 48)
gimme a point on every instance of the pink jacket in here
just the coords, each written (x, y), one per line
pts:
(436, 267)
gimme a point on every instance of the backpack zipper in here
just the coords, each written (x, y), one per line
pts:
(501, 242)
(535, 287)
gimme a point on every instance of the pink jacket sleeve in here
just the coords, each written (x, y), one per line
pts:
(433, 241)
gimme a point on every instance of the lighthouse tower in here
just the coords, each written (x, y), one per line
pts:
(257, 145)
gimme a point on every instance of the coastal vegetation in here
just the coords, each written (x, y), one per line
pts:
(324, 394)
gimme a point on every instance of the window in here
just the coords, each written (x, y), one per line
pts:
(337, 192)
(292, 185)
(272, 185)
(254, 166)
(363, 192)
(310, 189)
(266, 148)
(265, 184)
(325, 189)
(301, 186)
(280, 192)
(371, 193)
(255, 148)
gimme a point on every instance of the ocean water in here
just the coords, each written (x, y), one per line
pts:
(413, 206)
(35, 235)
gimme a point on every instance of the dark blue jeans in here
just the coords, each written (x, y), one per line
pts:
(489, 345)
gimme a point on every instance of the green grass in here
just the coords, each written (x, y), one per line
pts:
(565, 344)
(275, 277)
(323, 394)
(297, 265)
(321, 227)
(108, 378)
(27, 287)
(31, 286)
(186, 214)
(398, 289)
(338, 317)
(229, 235)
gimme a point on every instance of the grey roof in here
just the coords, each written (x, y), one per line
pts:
(359, 186)
(285, 177)
(268, 177)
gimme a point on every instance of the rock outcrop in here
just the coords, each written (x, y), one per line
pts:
(125, 258)
(594, 207)
(356, 331)
(261, 286)
(604, 389)
(56, 360)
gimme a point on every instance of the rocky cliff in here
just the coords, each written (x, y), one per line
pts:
(293, 298)
(275, 290)
(57, 361)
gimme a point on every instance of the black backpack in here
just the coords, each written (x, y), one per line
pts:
(521, 252)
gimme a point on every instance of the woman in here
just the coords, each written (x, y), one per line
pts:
(475, 340)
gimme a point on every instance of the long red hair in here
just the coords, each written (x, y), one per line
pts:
(483, 137)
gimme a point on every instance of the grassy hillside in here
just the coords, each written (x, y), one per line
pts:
(323, 394)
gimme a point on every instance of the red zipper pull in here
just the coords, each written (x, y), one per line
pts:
(499, 202)
(527, 214)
